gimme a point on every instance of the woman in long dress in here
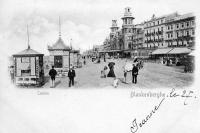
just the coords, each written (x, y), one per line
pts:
(111, 73)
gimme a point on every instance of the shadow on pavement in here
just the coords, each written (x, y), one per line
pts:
(57, 83)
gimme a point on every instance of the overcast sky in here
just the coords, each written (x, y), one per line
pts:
(87, 22)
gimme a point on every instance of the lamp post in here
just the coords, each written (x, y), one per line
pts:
(70, 48)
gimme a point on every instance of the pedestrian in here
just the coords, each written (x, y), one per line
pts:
(52, 74)
(12, 74)
(84, 62)
(103, 72)
(134, 74)
(125, 75)
(71, 75)
(111, 72)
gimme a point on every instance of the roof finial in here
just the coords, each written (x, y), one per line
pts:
(59, 27)
(28, 37)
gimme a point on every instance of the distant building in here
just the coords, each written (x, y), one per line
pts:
(180, 31)
(156, 36)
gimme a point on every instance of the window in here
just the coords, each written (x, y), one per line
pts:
(161, 21)
(177, 34)
(171, 26)
(192, 23)
(168, 35)
(129, 45)
(168, 27)
(177, 26)
(153, 23)
(193, 32)
(187, 32)
(158, 22)
(182, 25)
(171, 35)
(182, 33)
(187, 23)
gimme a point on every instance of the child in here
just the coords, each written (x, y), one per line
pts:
(115, 82)
(103, 72)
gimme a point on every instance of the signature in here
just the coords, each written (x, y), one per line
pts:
(135, 127)
(184, 94)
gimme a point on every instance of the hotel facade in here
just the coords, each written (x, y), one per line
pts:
(157, 36)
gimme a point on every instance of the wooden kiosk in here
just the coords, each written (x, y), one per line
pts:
(28, 67)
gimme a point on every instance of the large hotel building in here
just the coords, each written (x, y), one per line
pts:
(159, 36)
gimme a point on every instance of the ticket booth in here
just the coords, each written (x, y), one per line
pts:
(28, 68)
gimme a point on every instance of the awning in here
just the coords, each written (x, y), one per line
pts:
(161, 51)
(110, 51)
(180, 51)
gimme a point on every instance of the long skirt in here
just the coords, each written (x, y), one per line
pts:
(111, 73)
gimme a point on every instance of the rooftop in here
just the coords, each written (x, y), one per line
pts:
(59, 45)
(28, 52)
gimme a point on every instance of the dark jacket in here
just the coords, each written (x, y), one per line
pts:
(52, 73)
(135, 71)
(71, 74)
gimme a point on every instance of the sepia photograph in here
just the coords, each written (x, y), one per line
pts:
(87, 66)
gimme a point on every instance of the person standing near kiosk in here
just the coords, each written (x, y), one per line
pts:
(71, 75)
(53, 74)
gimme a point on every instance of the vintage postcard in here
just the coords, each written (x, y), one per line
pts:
(105, 66)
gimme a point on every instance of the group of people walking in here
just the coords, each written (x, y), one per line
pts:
(129, 69)
(71, 76)
(134, 69)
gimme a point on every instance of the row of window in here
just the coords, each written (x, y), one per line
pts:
(179, 43)
(154, 30)
(154, 23)
(150, 38)
(181, 25)
(128, 21)
(181, 33)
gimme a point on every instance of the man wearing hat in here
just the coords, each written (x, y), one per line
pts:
(52, 74)
(71, 75)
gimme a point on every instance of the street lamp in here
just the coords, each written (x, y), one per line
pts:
(70, 48)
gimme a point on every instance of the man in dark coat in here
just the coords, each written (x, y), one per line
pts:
(71, 75)
(134, 73)
(53, 74)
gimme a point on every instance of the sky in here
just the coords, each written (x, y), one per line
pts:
(86, 22)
